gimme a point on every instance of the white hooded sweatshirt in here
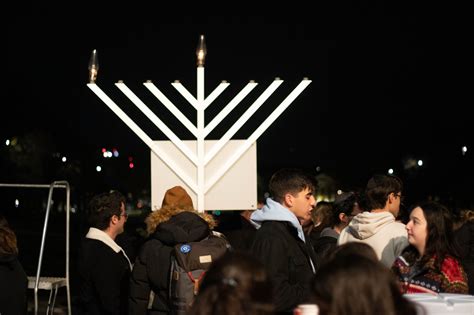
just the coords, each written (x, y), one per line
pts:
(380, 230)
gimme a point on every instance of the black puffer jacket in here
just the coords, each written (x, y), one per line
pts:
(13, 286)
(152, 266)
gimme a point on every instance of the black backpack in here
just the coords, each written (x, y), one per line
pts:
(189, 263)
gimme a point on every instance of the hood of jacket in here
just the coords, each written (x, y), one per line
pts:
(366, 224)
(183, 227)
(274, 211)
(330, 232)
(7, 259)
(167, 212)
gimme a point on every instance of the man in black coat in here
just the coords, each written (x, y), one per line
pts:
(280, 242)
(104, 268)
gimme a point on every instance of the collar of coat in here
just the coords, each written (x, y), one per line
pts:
(99, 235)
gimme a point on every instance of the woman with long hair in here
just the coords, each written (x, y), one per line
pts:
(430, 263)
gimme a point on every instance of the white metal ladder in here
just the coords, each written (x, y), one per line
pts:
(50, 283)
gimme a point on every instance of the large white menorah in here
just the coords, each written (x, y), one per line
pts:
(200, 103)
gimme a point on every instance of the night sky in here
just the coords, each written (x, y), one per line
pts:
(389, 84)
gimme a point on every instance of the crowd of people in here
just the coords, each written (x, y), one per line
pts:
(351, 256)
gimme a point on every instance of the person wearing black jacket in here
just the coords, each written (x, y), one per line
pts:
(13, 280)
(176, 222)
(104, 268)
(280, 243)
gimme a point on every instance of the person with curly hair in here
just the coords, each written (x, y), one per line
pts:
(103, 266)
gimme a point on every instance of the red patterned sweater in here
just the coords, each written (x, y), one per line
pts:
(429, 279)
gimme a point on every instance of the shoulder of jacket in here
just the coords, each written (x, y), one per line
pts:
(150, 245)
(452, 269)
(396, 227)
(276, 225)
(451, 262)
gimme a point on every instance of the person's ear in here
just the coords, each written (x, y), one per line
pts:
(289, 200)
(343, 217)
(391, 197)
(114, 219)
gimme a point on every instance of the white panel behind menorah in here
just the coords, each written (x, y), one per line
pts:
(222, 195)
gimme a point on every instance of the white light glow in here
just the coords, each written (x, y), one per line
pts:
(17, 203)
(420, 162)
(7, 142)
(339, 191)
(464, 150)
(64, 159)
(390, 171)
(98, 168)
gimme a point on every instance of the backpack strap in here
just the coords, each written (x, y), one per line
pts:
(196, 282)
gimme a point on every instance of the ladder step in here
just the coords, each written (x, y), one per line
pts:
(46, 283)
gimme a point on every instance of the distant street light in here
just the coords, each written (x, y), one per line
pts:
(464, 150)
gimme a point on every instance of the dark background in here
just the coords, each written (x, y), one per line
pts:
(388, 86)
